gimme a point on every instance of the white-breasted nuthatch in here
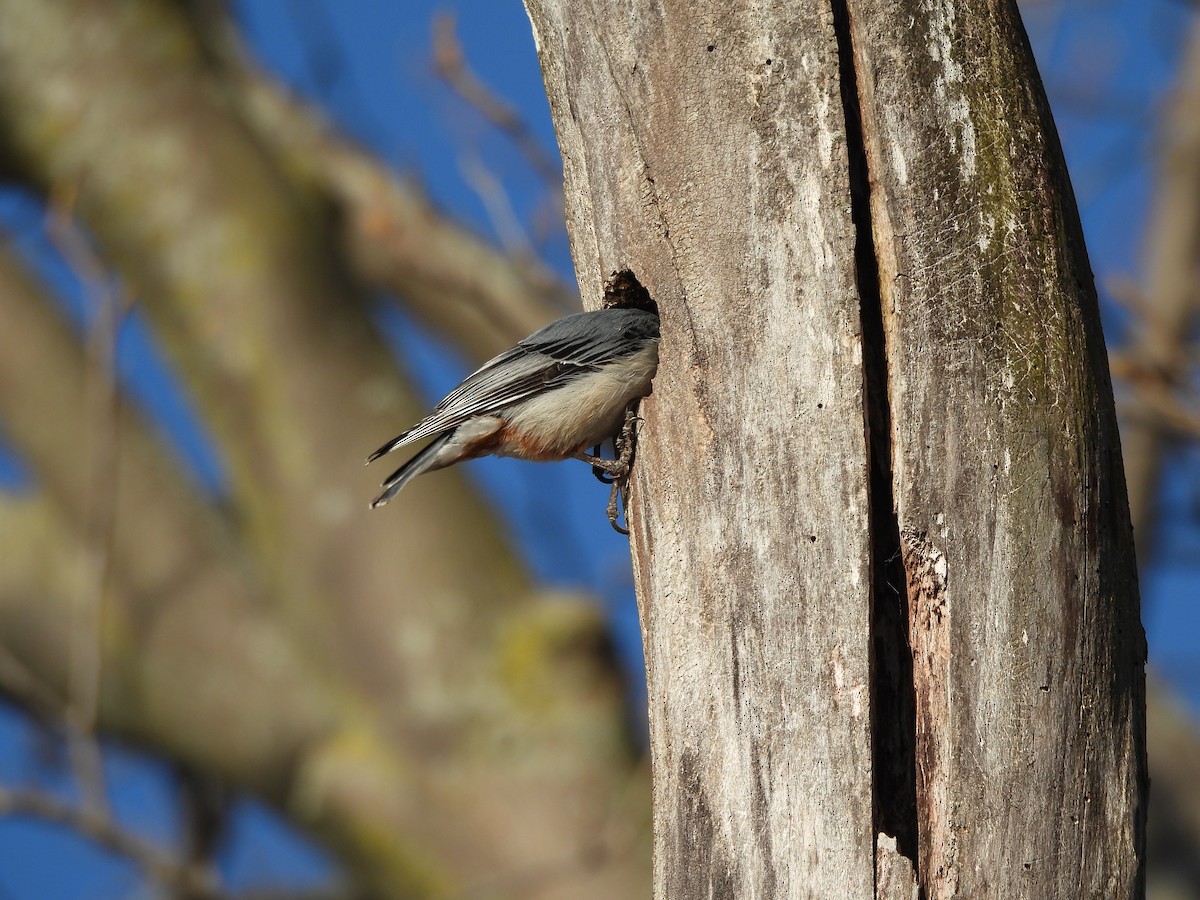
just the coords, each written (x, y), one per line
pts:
(561, 390)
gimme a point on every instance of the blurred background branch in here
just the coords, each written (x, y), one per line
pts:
(455, 281)
(1158, 363)
(438, 725)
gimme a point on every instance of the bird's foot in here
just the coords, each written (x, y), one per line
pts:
(616, 471)
(614, 509)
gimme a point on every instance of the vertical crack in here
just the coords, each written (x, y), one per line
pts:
(893, 717)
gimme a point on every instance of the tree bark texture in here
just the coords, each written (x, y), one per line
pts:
(1027, 643)
(881, 536)
(704, 150)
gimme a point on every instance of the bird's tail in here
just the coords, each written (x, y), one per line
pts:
(389, 446)
(424, 461)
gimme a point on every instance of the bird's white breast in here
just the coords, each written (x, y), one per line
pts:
(590, 409)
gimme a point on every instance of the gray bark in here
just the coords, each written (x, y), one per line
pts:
(960, 667)
(679, 132)
(1023, 600)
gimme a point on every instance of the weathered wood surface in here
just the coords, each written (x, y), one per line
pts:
(706, 148)
(1027, 641)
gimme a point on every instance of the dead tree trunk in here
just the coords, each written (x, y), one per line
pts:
(881, 535)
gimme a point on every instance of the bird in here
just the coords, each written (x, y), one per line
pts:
(571, 385)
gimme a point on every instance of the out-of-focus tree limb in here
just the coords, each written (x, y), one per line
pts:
(452, 728)
(173, 556)
(218, 684)
(164, 867)
(1152, 372)
(454, 281)
(194, 663)
(1174, 829)
(233, 267)
(1158, 355)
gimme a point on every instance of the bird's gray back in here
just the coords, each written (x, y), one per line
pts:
(549, 358)
(593, 338)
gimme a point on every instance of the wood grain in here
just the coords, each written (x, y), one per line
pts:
(704, 149)
(1023, 601)
(735, 157)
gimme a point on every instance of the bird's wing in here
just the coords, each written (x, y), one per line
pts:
(549, 358)
(493, 388)
(515, 375)
(593, 339)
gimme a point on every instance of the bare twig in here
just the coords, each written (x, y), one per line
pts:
(98, 826)
(491, 193)
(203, 808)
(100, 505)
(450, 64)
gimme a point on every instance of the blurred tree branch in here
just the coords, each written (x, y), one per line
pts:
(164, 867)
(1155, 373)
(438, 724)
(1174, 829)
(1160, 358)
(480, 299)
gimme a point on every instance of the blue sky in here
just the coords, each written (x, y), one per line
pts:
(1107, 66)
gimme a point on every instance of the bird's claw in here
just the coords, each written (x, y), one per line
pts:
(623, 444)
(601, 474)
(615, 472)
(614, 513)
